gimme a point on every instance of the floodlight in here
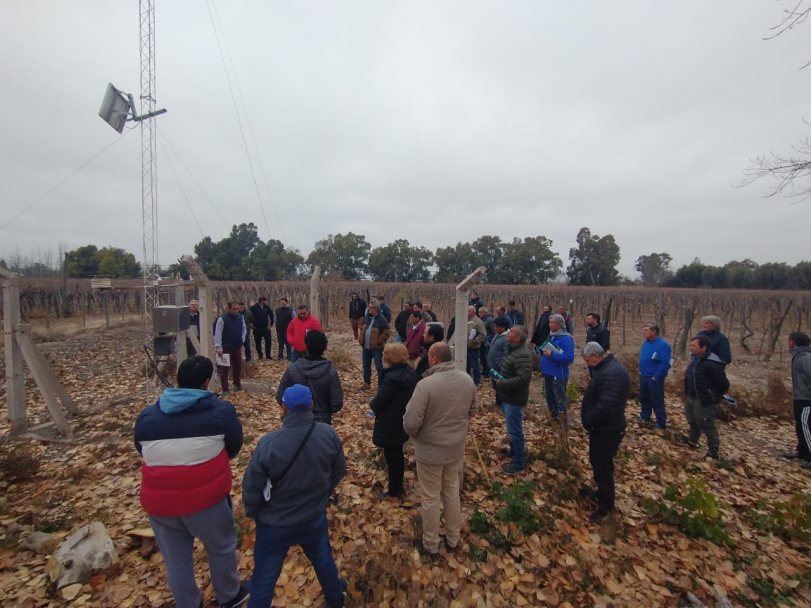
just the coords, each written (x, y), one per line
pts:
(115, 109)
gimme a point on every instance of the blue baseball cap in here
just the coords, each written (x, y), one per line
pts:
(297, 398)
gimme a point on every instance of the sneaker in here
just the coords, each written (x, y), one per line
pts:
(448, 548)
(420, 547)
(241, 599)
(659, 432)
(512, 469)
(710, 456)
(793, 456)
(224, 394)
(646, 422)
(807, 464)
(239, 389)
(386, 495)
(690, 444)
(598, 516)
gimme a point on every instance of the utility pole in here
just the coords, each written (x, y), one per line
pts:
(65, 286)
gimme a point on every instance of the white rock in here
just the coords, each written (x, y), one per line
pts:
(86, 551)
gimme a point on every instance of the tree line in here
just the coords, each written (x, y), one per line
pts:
(244, 256)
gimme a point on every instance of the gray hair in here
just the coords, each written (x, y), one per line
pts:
(558, 320)
(521, 331)
(593, 348)
(713, 320)
(482, 308)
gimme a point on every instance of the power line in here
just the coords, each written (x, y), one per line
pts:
(248, 120)
(239, 120)
(193, 214)
(82, 166)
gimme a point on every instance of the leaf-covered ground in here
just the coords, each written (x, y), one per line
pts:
(531, 543)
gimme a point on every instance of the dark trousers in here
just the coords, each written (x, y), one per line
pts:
(355, 323)
(367, 357)
(701, 419)
(483, 350)
(395, 461)
(236, 366)
(270, 550)
(495, 388)
(802, 411)
(281, 338)
(258, 335)
(247, 345)
(603, 447)
(473, 365)
(652, 397)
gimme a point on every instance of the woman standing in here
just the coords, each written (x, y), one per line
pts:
(389, 405)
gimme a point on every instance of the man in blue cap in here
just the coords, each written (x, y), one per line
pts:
(292, 473)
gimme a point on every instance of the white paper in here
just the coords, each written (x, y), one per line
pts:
(472, 334)
(224, 360)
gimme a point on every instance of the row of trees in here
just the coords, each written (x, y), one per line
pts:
(83, 262)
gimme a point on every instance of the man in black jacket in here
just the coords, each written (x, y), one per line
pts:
(596, 332)
(705, 383)
(515, 316)
(603, 416)
(284, 315)
(401, 322)
(513, 391)
(357, 308)
(433, 333)
(541, 332)
(318, 374)
(262, 322)
(719, 343)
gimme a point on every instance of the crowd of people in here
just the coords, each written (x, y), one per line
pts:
(189, 435)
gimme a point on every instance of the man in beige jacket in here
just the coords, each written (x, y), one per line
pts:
(436, 419)
(476, 333)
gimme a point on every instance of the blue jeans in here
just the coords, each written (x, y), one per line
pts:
(514, 417)
(473, 364)
(368, 355)
(297, 354)
(281, 338)
(556, 399)
(270, 550)
(399, 339)
(652, 397)
(216, 529)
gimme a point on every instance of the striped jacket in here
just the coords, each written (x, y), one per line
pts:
(186, 440)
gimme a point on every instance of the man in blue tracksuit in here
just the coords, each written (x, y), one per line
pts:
(558, 355)
(654, 362)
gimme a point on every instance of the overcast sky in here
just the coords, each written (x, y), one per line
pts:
(433, 121)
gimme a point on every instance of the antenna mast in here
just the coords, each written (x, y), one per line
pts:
(149, 175)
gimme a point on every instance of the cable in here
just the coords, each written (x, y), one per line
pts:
(87, 162)
(194, 179)
(168, 158)
(154, 364)
(248, 120)
(239, 120)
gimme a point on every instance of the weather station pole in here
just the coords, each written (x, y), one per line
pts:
(460, 333)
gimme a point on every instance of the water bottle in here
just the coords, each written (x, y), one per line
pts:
(495, 375)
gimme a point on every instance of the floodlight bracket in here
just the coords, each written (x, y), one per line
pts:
(143, 117)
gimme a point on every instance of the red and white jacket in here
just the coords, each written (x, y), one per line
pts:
(186, 440)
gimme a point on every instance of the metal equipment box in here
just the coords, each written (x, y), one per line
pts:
(170, 319)
(164, 346)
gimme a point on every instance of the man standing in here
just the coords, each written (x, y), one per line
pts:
(425, 316)
(475, 301)
(487, 319)
(541, 332)
(262, 322)
(426, 307)
(719, 343)
(229, 336)
(247, 316)
(603, 415)
(705, 383)
(558, 355)
(373, 335)
(436, 419)
(383, 308)
(318, 373)
(502, 314)
(194, 325)
(188, 498)
(298, 328)
(476, 333)
(654, 362)
(357, 308)
(798, 344)
(401, 322)
(596, 332)
(568, 321)
(284, 316)
(414, 337)
(292, 473)
(515, 316)
(513, 391)
(433, 333)
(497, 351)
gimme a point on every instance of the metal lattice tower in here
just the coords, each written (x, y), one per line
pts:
(149, 174)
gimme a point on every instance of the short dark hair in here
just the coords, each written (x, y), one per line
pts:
(703, 341)
(595, 315)
(263, 299)
(303, 307)
(406, 303)
(799, 338)
(418, 304)
(241, 303)
(511, 303)
(231, 303)
(416, 313)
(502, 322)
(436, 331)
(316, 342)
(194, 371)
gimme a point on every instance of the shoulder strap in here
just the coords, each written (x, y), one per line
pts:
(279, 477)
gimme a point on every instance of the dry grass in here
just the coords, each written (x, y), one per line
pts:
(776, 400)
(18, 461)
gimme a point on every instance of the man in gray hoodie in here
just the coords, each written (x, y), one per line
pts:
(289, 479)
(798, 343)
